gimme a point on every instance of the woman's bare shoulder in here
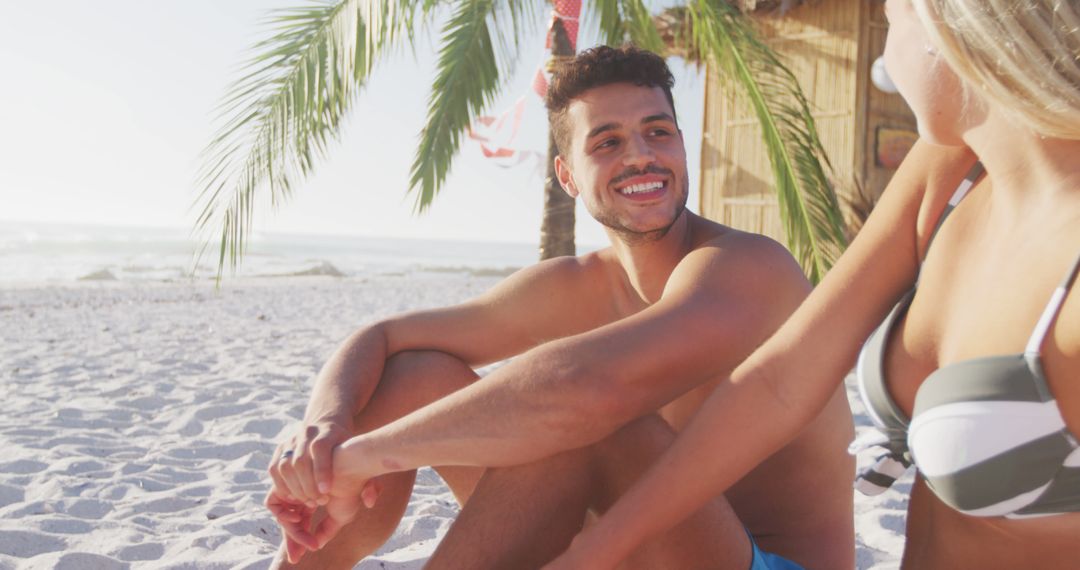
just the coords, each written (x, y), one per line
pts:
(935, 171)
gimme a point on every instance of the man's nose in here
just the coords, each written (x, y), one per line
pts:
(638, 152)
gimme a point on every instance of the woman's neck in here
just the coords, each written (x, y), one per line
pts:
(1023, 167)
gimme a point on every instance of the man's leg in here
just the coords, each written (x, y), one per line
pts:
(522, 517)
(713, 537)
(410, 381)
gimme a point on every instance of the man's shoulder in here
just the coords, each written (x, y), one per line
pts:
(734, 254)
(727, 265)
(568, 267)
(564, 276)
(744, 246)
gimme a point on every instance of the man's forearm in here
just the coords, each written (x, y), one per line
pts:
(574, 391)
(347, 381)
(540, 404)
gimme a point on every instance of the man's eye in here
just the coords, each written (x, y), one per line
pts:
(606, 143)
(660, 132)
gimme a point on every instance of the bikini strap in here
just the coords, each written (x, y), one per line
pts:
(1051, 311)
(961, 191)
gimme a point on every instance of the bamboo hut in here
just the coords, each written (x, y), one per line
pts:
(830, 46)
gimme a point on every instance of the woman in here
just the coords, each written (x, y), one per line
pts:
(984, 357)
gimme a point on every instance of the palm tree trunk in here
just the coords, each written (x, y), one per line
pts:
(557, 228)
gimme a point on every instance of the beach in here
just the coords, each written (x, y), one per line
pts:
(139, 417)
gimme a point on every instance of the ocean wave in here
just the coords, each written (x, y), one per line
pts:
(100, 275)
(142, 269)
(323, 269)
(37, 252)
(472, 271)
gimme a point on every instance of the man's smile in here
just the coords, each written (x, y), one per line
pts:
(642, 187)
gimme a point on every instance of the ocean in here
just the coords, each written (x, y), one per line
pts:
(41, 253)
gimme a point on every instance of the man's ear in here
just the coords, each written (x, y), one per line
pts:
(566, 179)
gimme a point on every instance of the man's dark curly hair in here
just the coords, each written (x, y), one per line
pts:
(597, 67)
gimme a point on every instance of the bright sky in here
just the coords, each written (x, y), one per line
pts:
(106, 106)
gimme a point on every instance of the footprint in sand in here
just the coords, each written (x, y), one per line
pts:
(165, 505)
(152, 486)
(248, 477)
(115, 493)
(176, 476)
(23, 467)
(88, 509)
(66, 526)
(226, 452)
(141, 552)
(11, 495)
(220, 411)
(895, 523)
(413, 530)
(197, 492)
(186, 427)
(268, 429)
(132, 468)
(80, 467)
(33, 433)
(80, 561)
(147, 403)
(24, 544)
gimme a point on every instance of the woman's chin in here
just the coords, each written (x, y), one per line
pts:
(938, 137)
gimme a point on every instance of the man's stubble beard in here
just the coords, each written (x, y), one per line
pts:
(634, 237)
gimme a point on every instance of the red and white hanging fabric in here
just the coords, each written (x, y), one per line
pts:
(491, 132)
(568, 12)
(496, 136)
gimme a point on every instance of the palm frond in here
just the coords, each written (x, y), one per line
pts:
(639, 26)
(610, 21)
(809, 207)
(289, 102)
(524, 16)
(627, 20)
(467, 81)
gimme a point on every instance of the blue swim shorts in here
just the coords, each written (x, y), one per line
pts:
(765, 561)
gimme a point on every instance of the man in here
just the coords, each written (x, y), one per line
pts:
(646, 327)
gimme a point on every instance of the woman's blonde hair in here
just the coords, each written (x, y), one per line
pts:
(1022, 54)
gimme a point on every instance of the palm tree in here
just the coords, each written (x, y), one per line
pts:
(279, 117)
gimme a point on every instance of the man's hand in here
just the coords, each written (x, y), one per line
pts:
(306, 526)
(287, 511)
(302, 471)
(302, 466)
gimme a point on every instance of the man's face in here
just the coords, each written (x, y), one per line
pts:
(626, 160)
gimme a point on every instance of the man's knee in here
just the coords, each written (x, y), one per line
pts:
(410, 380)
(427, 367)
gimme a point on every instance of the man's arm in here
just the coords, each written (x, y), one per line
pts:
(529, 307)
(723, 299)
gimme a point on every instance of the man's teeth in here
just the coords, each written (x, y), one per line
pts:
(639, 188)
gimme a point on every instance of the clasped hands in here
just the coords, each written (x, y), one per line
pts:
(320, 467)
(324, 467)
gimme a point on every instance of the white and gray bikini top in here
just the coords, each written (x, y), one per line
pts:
(986, 434)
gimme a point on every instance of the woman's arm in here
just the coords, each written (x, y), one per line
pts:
(788, 380)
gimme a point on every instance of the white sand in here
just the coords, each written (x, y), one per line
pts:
(138, 420)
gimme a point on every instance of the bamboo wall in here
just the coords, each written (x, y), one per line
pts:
(829, 46)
